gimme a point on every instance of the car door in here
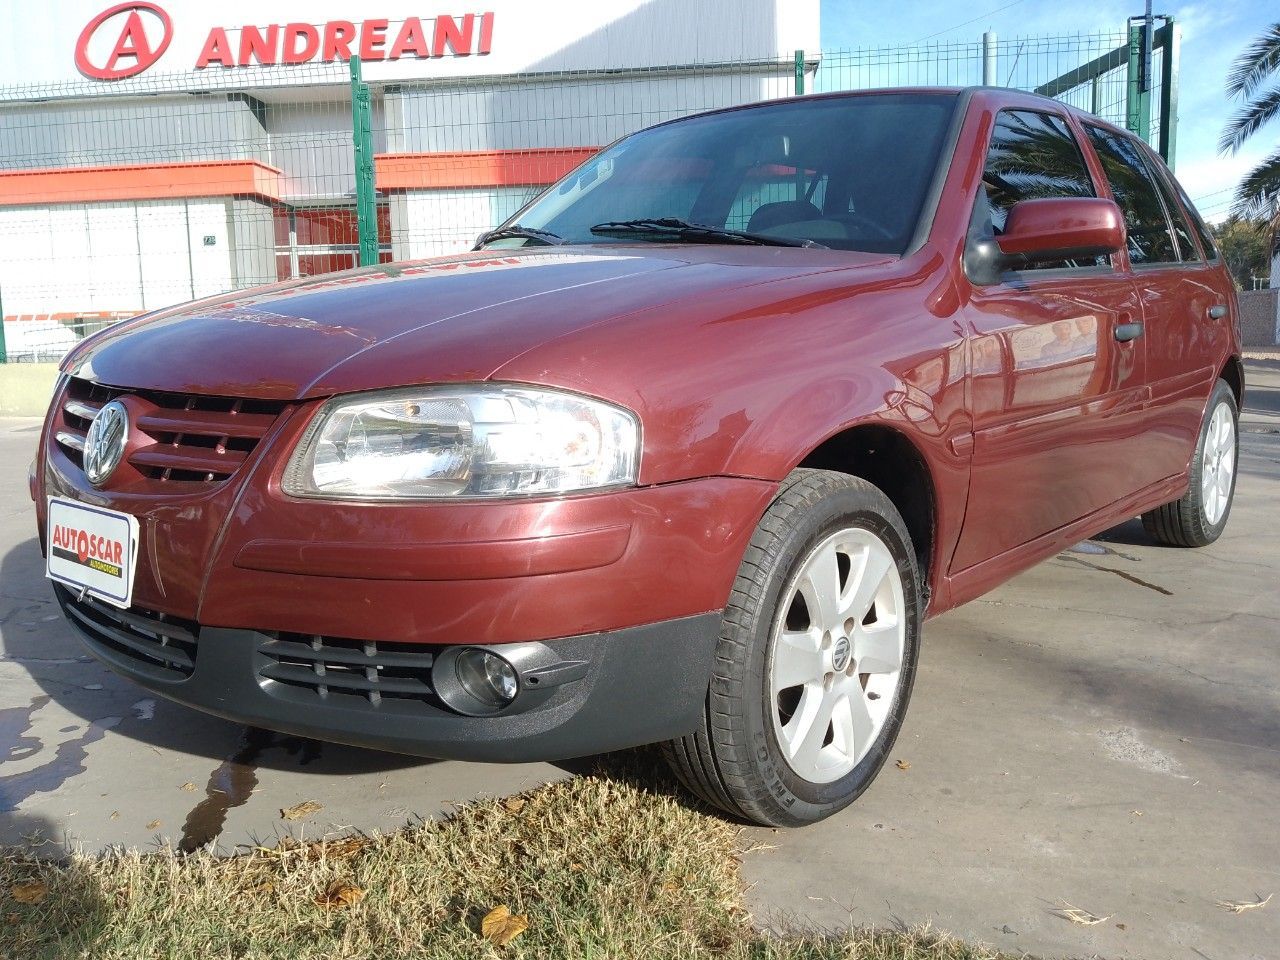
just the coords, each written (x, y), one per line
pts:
(1184, 301)
(1056, 383)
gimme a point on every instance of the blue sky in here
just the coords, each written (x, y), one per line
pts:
(1212, 35)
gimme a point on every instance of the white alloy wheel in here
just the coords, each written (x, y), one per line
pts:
(837, 652)
(1198, 517)
(1219, 464)
(816, 657)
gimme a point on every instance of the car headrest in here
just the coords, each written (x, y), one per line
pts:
(785, 211)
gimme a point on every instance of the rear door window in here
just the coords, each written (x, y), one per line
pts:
(1150, 238)
(1032, 156)
(1181, 228)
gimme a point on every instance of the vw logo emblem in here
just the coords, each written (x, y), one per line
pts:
(104, 444)
(840, 654)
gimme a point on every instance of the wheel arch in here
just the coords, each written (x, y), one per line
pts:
(1233, 372)
(889, 460)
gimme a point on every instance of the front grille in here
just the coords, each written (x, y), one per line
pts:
(193, 439)
(358, 670)
(161, 645)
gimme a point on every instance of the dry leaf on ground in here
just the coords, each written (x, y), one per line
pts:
(340, 894)
(514, 804)
(32, 891)
(343, 849)
(501, 926)
(300, 811)
(153, 825)
(1082, 917)
(1240, 906)
(904, 764)
(188, 786)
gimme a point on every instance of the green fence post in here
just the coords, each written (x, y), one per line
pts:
(1137, 101)
(4, 353)
(799, 72)
(362, 135)
(1169, 39)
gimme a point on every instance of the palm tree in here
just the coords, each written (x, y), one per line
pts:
(1255, 77)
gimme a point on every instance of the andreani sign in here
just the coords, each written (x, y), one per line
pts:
(338, 39)
(129, 38)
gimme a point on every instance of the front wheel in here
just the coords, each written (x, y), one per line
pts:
(1199, 518)
(816, 657)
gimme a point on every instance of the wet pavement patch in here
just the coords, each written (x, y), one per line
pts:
(14, 724)
(1123, 574)
(1096, 549)
(233, 782)
(68, 761)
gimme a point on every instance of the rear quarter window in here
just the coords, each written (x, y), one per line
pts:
(1202, 232)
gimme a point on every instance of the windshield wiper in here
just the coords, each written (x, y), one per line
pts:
(515, 231)
(683, 230)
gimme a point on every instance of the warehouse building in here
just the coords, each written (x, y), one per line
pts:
(153, 152)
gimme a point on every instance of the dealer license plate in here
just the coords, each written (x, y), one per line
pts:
(92, 550)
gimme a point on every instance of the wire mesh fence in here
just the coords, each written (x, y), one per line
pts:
(114, 205)
(1090, 71)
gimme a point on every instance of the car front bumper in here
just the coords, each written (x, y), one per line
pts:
(578, 696)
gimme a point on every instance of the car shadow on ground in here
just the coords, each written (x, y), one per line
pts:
(63, 674)
(1130, 533)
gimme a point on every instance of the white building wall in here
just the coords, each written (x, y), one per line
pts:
(112, 257)
(429, 223)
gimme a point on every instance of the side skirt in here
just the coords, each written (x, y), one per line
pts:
(976, 580)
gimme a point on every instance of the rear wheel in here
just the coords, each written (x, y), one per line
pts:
(816, 657)
(1200, 516)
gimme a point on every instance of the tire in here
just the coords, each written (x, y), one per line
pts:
(1199, 518)
(756, 755)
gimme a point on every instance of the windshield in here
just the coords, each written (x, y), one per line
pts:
(850, 173)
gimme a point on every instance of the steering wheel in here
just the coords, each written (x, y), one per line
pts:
(867, 228)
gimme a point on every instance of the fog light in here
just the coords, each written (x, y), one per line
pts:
(487, 677)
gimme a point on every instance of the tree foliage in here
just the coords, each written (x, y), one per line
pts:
(1246, 248)
(1255, 80)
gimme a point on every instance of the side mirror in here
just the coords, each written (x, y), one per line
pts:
(1054, 228)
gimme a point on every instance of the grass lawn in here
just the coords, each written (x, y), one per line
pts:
(598, 866)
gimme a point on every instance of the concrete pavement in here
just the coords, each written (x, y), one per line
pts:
(1102, 732)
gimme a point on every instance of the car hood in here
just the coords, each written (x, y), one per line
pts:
(443, 320)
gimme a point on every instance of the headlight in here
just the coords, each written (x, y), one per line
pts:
(468, 441)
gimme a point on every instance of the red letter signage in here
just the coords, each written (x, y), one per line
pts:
(128, 38)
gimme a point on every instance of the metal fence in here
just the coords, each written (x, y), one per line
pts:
(115, 205)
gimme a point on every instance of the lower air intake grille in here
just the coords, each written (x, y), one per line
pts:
(162, 645)
(358, 669)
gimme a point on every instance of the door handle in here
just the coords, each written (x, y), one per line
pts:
(1217, 311)
(1128, 331)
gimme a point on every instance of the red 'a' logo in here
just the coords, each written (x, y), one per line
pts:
(131, 50)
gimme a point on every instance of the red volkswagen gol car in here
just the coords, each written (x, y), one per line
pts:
(685, 452)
